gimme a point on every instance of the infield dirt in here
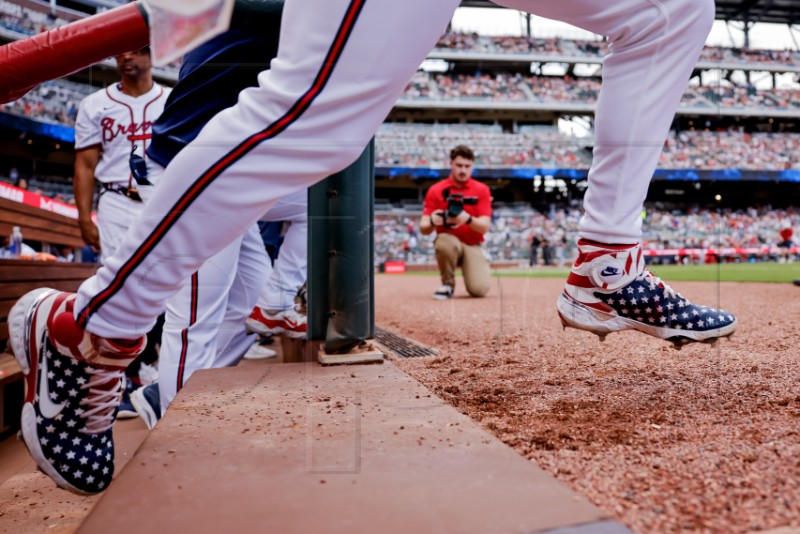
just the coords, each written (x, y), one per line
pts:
(706, 439)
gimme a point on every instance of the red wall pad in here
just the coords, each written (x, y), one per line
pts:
(28, 62)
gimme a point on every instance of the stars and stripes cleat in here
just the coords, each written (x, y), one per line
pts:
(73, 387)
(610, 290)
(288, 322)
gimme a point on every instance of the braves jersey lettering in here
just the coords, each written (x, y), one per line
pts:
(131, 132)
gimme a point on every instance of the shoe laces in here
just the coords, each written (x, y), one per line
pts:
(654, 281)
(101, 403)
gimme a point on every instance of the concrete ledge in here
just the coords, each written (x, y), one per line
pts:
(306, 448)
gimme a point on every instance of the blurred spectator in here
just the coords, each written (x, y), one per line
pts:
(535, 244)
(786, 234)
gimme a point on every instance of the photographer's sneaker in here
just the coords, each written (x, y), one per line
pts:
(73, 387)
(610, 290)
(288, 322)
(443, 292)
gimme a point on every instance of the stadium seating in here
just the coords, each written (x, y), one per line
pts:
(596, 49)
(397, 236)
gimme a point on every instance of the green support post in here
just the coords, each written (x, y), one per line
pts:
(340, 257)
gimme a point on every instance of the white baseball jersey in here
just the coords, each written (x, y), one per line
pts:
(118, 123)
(340, 68)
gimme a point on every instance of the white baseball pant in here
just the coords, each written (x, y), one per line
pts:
(290, 269)
(341, 66)
(204, 323)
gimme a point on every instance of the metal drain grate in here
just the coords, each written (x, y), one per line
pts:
(402, 347)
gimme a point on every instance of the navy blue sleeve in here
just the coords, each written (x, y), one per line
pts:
(210, 80)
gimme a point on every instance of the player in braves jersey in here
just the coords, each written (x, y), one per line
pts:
(340, 68)
(112, 125)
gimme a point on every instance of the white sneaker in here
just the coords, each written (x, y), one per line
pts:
(257, 351)
(444, 292)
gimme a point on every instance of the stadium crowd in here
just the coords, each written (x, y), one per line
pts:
(596, 49)
(420, 145)
(54, 102)
(514, 87)
(731, 149)
(509, 239)
(426, 145)
(26, 21)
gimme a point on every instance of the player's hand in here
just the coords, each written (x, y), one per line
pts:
(437, 218)
(90, 234)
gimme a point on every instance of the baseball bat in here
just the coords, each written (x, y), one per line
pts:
(61, 51)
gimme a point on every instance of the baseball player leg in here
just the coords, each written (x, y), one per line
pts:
(477, 272)
(655, 45)
(275, 311)
(205, 320)
(339, 71)
(290, 268)
(194, 318)
(205, 316)
(251, 272)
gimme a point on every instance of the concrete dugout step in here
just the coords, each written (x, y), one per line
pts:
(305, 448)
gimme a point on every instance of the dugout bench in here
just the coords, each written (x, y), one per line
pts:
(17, 277)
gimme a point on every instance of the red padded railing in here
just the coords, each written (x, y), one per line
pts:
(61, 51)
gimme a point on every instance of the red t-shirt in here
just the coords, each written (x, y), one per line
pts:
(436, 200)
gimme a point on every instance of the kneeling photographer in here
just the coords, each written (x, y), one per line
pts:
(459, 209)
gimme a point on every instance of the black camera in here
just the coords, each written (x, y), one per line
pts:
(456, 203)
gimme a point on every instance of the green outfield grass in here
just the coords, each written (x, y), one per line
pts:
(725, 272)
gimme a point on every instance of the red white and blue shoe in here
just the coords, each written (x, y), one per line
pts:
(610, 289)
(73, 387)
